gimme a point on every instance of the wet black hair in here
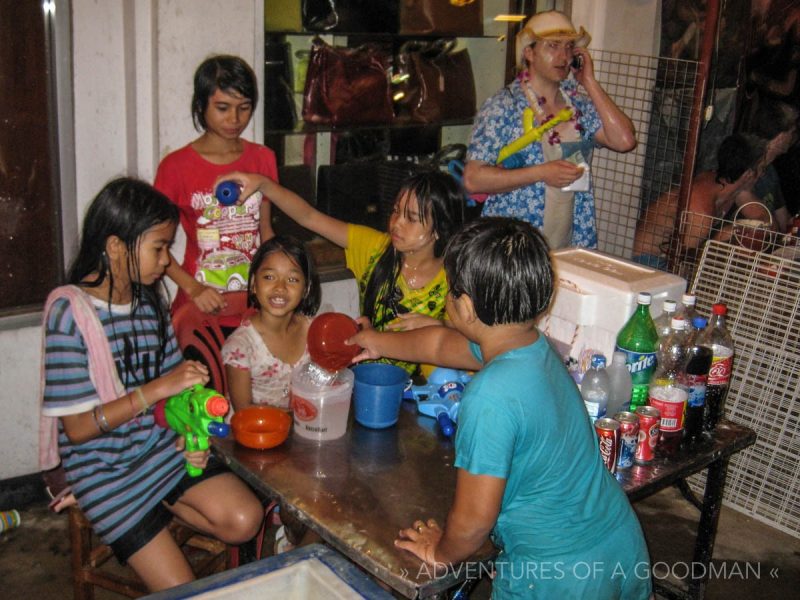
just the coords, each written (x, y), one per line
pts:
(736, 154)
(440, 199)
(125, 208)
(226, 73)
(297, 252)
(504, 266)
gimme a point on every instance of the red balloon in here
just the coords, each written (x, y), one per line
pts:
(326, 340)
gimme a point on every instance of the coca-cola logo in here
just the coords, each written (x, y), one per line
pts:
(606, 446)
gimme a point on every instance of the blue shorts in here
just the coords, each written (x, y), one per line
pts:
(158, 517)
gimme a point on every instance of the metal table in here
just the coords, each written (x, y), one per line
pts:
(712, 453)
(357, 492)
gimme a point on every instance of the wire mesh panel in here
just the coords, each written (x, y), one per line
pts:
(755, 232)
(762, 292)
(656, 93)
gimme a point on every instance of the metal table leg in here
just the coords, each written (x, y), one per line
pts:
(707, 529)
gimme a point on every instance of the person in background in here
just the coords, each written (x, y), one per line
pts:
(400, 276)
(220, 240)
(553, 63)
(714, 197)
(259, 356)
(109, 355)
(775, 125)
(529, 472)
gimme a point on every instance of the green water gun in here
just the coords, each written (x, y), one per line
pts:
(196, 414)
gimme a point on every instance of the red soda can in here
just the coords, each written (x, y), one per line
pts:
(628, 438)
(608, 434)
(649, 419)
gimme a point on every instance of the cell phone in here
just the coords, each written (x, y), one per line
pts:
(577, 62)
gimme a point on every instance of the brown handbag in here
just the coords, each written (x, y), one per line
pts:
(441, 17)
(347, 86)
(434, 82)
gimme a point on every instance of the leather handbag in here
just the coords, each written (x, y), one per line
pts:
(347, 86)
(435, 82)
(351, 16)
(280, 112)
(441, 17)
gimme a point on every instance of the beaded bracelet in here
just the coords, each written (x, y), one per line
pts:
(140, 394)
(103, 422)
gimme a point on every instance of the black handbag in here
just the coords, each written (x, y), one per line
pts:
(279, 108)
(351, 16)
(394, 171)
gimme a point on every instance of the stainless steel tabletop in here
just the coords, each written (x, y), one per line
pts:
(357, 492)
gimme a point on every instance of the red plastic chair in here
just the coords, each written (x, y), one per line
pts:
(201, 336)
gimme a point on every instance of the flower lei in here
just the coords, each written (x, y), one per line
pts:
(536, 102)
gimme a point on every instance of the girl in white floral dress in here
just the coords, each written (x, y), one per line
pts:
(259, 356)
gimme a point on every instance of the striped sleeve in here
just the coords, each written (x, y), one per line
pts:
(68, 388)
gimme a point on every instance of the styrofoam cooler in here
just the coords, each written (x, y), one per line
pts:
(595, 296)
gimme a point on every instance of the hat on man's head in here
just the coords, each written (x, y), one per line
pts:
(549, 25)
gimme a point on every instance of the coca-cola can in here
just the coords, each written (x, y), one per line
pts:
(608, 434)
(649, 418)
(628, 438)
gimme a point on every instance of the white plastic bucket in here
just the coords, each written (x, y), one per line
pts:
(320, 411)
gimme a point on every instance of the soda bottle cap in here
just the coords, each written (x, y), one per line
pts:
(719, 309)
(688, 299)
(644, 298)
(670, 306)
(620, 357)
(678, 323)
(699, 322)
(598, 360)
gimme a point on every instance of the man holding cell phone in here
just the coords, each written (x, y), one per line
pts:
(547, 182)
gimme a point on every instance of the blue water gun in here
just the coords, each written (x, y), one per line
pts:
(440, 398)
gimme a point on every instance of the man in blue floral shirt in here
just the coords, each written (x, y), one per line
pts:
(547, 182)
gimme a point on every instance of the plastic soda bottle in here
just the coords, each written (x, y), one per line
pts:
(688, 311)
(698, 363)
(717, 338)
(638, 339)
(596, 388)
(663, 322)
(668, 391)
(621, 385)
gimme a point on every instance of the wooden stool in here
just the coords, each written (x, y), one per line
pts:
(206, 555)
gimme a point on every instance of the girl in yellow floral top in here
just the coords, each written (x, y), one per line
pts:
(400, 275)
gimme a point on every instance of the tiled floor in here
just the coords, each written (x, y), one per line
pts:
(751, 559)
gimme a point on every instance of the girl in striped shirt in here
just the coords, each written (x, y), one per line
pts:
(109, 354)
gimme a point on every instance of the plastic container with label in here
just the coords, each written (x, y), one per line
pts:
(320, 406)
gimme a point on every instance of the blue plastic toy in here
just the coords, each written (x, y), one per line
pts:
(441, 397)
(227, 193)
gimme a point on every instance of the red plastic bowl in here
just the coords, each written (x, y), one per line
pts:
(261, 427)
(326, 340)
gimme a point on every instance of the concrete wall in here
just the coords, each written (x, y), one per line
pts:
(132, 66)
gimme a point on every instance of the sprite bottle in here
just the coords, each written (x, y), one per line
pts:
(638, 339)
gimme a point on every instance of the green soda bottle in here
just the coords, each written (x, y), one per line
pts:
(638, 339)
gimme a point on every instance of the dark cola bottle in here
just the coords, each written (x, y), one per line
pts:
(698, 363)
(717, 338)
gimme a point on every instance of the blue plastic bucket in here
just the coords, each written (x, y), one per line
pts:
(378, 393)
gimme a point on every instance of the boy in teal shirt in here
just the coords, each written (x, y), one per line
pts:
(529, 470)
